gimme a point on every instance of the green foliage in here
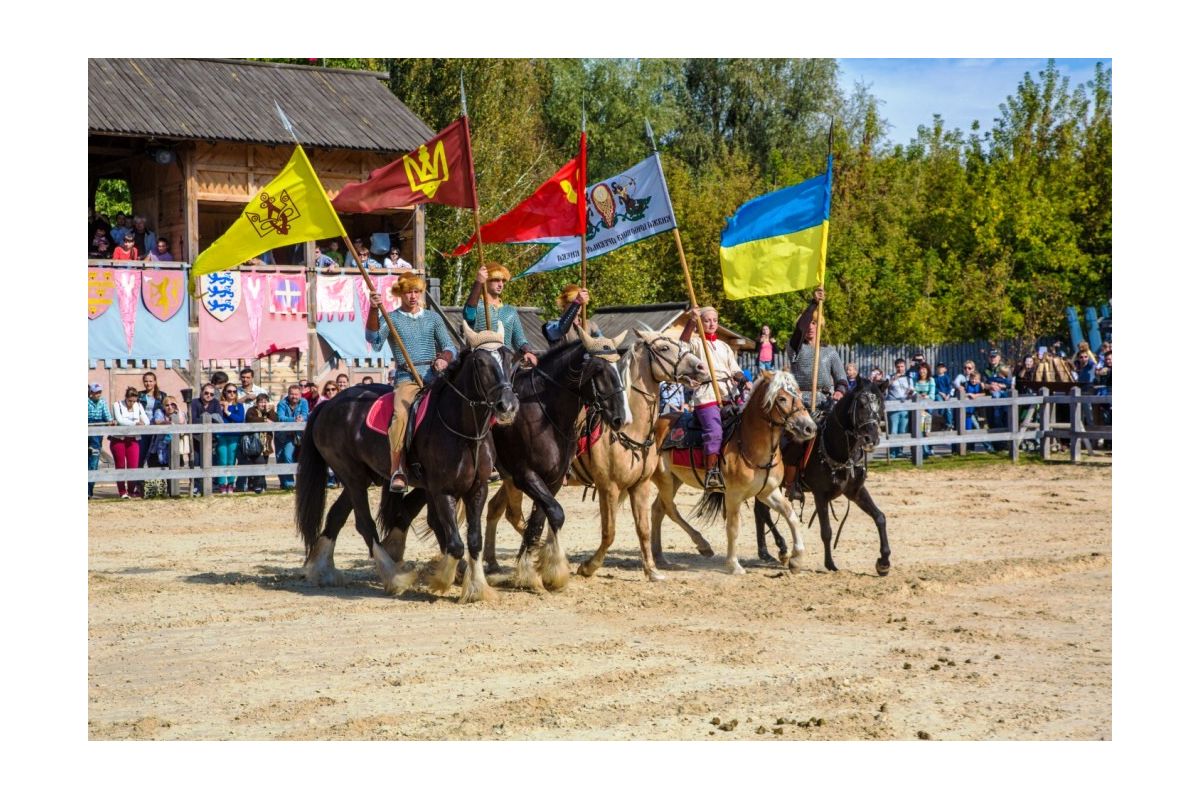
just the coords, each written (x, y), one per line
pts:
(112, 198)
(986, 233)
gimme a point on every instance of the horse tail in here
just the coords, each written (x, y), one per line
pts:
(710, 509)
(310, 485)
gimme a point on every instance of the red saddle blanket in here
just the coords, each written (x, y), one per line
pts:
(586, 441)
(379, 418)
(690, 457)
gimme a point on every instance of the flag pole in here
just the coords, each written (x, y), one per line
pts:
(582, 199)
(816, 365)
(412, 370)
(687, 276)
(462, 94)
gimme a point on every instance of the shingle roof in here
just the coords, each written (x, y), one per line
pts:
(226, 100)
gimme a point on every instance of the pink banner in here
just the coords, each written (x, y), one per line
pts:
(233, 338)
(336, 298)
(254, 292)
(129, 291)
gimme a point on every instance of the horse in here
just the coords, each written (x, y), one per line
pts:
(450, 457)
(619, 463)
(532, 454)
(837, 466)
(751, 466)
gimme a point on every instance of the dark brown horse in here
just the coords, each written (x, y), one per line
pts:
(451, 456)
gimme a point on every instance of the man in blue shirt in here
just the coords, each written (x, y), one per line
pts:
(292, 408)
(493, 277)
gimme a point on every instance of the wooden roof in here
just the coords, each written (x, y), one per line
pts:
(229, 100)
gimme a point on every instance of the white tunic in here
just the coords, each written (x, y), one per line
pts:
(724, 363)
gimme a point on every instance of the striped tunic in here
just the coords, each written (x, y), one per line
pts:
(424, 335)
(514, 334)
(831, 374)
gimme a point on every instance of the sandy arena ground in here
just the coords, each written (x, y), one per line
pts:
(995, 623)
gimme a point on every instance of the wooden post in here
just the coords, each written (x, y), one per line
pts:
(960, 420)
(1076, 425)
(1047, 415)
(206, 461)
(918, 435)
(1014, 426)
(687, 275)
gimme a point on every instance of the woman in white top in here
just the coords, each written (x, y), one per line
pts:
(395, 262)
(125, 449)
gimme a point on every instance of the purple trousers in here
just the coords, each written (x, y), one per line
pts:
(710, 427)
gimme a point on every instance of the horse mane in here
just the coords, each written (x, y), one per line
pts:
(781, 380)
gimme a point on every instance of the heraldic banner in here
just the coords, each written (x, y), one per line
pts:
(342, 306)
(248, 314)
(137, 314)
(621, 210)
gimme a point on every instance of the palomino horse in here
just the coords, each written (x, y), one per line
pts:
(751, 466)
(837, 466)
(619, 463)
(453, 447)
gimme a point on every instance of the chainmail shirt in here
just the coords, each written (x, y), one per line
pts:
(424, 336)
(831, 374)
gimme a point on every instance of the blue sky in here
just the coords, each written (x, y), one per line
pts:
(960, 89)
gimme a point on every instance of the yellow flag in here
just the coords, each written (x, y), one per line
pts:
(291, 208)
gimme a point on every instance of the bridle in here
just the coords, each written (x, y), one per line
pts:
(857, 436)
(490, 396)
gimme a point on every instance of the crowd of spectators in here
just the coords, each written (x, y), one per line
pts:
(220, 401)
(130, 238)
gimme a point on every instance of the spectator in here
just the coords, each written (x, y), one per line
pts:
(961, 378)
(925, 387)
(1102, 356)
(232, 412)
(247, 389)
(343, 381)
(292, 408)
(118, 232)
(944, 389)
(998, 385)
(145, 238)
(309, 393)
(916, 360)
(325, 262)
(127, 250)
(203, 409)
(125, 448)
(875, 375)
(161, 251)
(973, 388)
(328, 392)
(152, 399)
(364, 256)
(333, 250)
(101, 245)
(671, 398)
(160, 445)
(367, 379)
(261, 411)
(766, 349)
(900, 389)
(1084, 364)
(1102, 413)
(852, 375)
(218, 380)
(393, 261)
(98, 414)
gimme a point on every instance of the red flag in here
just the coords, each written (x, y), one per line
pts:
(438, 171)
(557, 208)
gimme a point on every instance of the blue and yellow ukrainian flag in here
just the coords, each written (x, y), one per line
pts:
(776, 242)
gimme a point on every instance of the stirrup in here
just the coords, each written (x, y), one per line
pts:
(713, 480)
(398, 475)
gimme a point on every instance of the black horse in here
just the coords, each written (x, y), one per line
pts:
(450, 457)
(534, 452)
(837, 466)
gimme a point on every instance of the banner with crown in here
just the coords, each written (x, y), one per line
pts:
(623, 209)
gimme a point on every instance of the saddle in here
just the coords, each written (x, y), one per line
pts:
(588, 439)
(684, 431)
(379, 418)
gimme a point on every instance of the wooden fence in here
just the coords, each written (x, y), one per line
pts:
(1037, 426)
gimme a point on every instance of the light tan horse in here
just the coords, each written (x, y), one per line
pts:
(620, 463)
(752, 466)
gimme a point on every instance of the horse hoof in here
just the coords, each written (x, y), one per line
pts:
(654, 576)
(882, 568)
(706, 551)
(765, 557)
(830, 567)
(794, 563)
(491, 569)
(586, 570)
(735, 569)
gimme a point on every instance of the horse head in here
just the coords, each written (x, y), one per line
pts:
(782, 404)
(492, 369)
(862, 412)
(602, 378)
(671, 360)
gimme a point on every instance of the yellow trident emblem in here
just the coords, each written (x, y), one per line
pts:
(427, 174)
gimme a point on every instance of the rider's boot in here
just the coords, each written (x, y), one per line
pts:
(399, 482)
(713, 480)
(790, 489)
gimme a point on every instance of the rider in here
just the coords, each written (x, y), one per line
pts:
(571, 301)
(832, 382)
(730, 377)
(429, 346)
(493, 277)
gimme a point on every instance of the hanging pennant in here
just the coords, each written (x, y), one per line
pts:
(162, 292)
(383, 285)
(129, 283)
(287, 295)
(100, 291)
(254, 289)
(221, 293)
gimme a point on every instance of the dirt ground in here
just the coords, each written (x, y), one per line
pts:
(995, 623)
